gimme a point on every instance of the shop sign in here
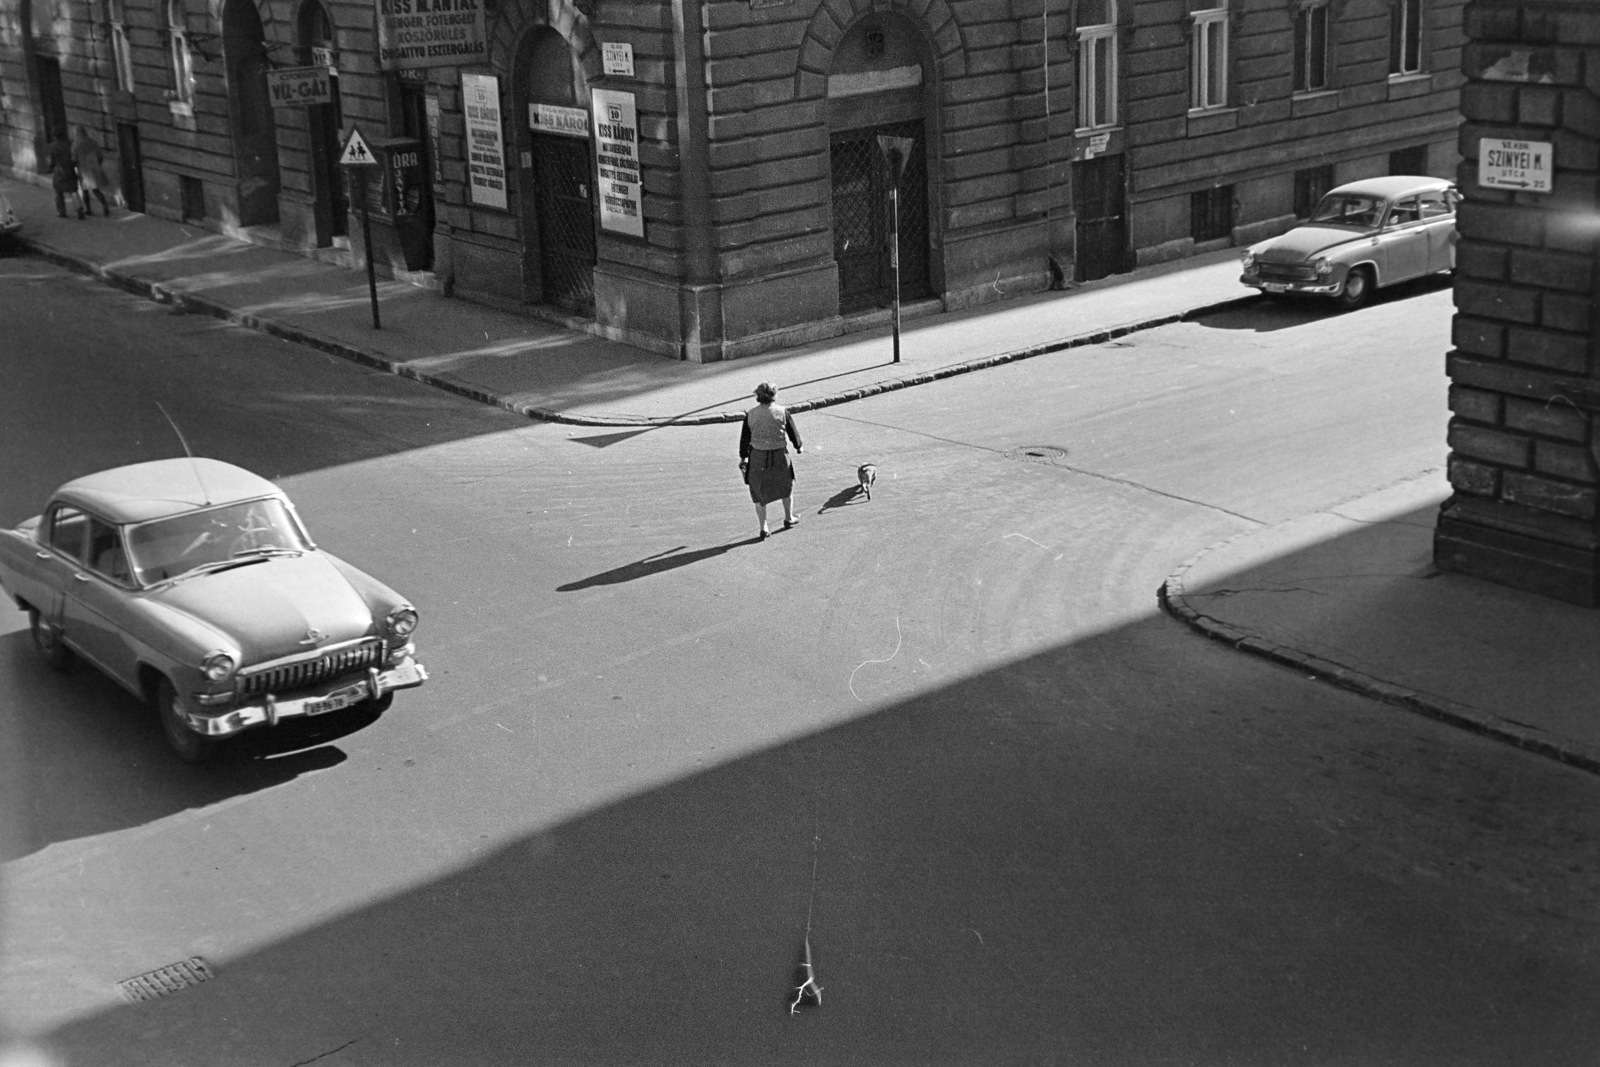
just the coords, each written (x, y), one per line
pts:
(430, 33)
(296, 86)
(1524, 165)
(552, 118)
(486, 161)
(617, 57)
(430, 106)
(616, 153)
(324, 56)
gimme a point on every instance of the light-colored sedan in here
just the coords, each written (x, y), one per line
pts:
(1362, 236)
(193, 584)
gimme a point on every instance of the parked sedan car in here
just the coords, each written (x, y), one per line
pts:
(1361, 237)
(193, 584)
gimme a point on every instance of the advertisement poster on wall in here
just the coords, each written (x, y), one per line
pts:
(430, 33)
(486, 156)
(616, 153)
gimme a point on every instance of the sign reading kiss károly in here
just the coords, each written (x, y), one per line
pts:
(430, 33)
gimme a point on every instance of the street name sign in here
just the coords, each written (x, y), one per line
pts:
(1523, 165)
(356, 153)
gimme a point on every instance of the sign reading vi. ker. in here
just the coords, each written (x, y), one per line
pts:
(294, 86)
(1523, 165)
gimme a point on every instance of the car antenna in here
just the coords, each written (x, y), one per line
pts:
(193, 466)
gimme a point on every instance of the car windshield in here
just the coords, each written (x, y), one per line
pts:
(205, 540)
(1349, 209)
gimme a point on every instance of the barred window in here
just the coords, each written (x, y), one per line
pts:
(1211, 213)
(1208, 60)
(1097, 64)
(1311, 48)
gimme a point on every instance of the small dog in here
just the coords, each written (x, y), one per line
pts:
(867, 474)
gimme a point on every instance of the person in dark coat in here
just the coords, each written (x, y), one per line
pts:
(64, 174)
(91, 170)
(764, 455)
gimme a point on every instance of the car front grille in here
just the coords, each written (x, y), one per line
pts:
(1285, 272)
(311, 670)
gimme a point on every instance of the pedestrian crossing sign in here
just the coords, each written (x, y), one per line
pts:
(356, 153)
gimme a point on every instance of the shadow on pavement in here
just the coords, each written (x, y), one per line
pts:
(1271, 314)
(670, 560)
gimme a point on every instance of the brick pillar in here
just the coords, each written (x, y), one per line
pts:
(1524, 377)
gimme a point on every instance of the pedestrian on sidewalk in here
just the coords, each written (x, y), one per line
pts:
(91, 170)
(764, 455)
(64, 174)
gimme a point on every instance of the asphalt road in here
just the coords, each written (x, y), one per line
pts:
(943, 736)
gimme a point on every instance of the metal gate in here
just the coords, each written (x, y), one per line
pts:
(1099, 190)
(566, 222)
(861, 210)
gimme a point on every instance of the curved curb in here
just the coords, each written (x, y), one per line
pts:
(1173, 598)
(165, 294)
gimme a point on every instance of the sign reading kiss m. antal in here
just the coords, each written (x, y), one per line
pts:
(1523, 165)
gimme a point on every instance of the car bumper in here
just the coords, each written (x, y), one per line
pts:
(1319, 288)
(223, 722)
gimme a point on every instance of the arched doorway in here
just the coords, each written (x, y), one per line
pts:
(254, 130)
(555, 167)
(878, 86)
(324, 125)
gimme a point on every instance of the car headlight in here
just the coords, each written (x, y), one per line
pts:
(1323, 266)
(401, 621)
(1248, 259)
(219, 666)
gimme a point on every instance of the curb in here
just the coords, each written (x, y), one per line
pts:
(164, 294)
(1173, 598)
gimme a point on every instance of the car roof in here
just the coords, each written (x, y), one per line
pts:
(143, 491)
(1393, 186)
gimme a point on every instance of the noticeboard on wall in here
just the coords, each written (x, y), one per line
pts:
(430, 33)
(486, 156)
(616, 153)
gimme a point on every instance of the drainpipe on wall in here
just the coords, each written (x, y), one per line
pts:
(700, 304)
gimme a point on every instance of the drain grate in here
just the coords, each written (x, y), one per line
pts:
(164, 980)
(1037, 453)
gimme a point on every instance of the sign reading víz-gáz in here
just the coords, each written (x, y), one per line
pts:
(292, 86)
(1522, 165)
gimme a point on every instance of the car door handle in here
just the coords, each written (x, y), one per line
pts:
(80, 577)
(42, 555)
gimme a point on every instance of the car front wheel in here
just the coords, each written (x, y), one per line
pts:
(1357, 288)
(190, 746)
(48, 642)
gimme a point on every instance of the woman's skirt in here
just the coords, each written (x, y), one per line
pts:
(771, 475)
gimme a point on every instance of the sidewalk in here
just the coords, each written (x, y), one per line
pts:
(1349, 594)
(549, 372)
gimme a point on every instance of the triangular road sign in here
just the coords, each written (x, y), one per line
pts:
(356, 153)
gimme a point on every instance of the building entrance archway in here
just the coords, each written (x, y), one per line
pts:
(253, 127)
(555, 173)
(324, 126)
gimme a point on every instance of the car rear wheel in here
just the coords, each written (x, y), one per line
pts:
(1357, 288)
(48, 642)
(190, 746)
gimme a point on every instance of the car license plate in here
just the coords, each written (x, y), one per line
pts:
(1274, 287)
(331, 703)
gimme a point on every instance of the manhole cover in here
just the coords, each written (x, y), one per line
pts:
(165, 980)
(1037, 453)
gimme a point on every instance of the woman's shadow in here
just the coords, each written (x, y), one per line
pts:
(671, 559)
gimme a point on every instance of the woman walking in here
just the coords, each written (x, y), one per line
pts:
(764, 455)
(91, 170)
(64, 174)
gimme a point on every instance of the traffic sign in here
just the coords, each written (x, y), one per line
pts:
(356, 153)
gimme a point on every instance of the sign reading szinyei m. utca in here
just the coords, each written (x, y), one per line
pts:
(616, 154)
(430, 33)
(486, 156)
(1523, 165)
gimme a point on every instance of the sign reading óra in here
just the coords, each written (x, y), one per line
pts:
(616, 154)
(486, 156)
(430, 33)
(294, 86)
(1522, 165)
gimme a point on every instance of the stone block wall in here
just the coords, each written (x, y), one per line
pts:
(1525, 384)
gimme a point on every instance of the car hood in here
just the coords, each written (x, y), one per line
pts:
(1305, 242)
(271, 608)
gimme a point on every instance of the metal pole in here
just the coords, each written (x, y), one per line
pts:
(894, 259)
(366, 239)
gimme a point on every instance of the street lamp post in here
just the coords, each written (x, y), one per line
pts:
(896, 151)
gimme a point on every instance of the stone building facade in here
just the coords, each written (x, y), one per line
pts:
(1524, 372)
(706, 178)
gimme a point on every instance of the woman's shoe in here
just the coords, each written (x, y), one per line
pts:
(764, 535)
(790, 523)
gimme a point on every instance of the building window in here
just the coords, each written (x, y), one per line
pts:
(1097, 64)
(1208, 60)
(1310, 186)
(1413, 160)
(1311, 48)
(121, 54)
(179, 56)
(1405, 41)
(1211, 214)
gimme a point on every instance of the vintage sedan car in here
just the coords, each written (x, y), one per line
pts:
(1362, 236)
(193, 584)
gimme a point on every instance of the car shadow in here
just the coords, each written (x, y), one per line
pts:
(1272, 313)
(91, 759)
